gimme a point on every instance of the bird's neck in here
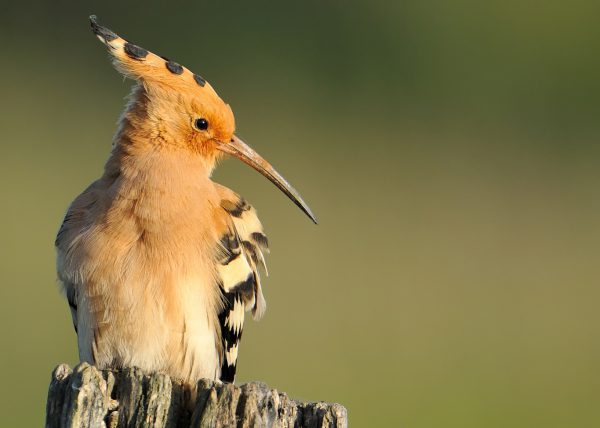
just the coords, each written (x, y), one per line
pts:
(158, 191)
(160, 183)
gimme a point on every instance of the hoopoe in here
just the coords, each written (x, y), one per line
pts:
(157, 261)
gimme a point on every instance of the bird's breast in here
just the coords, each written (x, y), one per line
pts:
(148, 293)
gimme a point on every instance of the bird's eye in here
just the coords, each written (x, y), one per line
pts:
(201, 124)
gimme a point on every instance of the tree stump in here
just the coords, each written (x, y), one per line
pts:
(86, 397)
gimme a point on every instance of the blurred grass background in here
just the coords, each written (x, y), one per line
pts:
(449, 148)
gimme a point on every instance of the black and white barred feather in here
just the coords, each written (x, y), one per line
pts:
(241, 253)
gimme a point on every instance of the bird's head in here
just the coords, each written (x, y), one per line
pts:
(179, 109)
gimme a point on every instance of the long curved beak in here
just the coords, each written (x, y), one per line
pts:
(246, 154)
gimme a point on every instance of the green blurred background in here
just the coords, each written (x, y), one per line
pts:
(450, 150)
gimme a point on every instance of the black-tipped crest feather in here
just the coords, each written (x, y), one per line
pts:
(100, 31)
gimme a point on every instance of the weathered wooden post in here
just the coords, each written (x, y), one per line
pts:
(86, 397)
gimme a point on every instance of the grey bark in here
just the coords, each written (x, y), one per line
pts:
(86, 397)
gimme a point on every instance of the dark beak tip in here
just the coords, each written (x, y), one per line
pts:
(309, 214)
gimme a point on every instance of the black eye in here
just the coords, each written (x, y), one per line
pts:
(202, 124)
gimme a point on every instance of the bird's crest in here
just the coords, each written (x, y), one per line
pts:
(140, 64)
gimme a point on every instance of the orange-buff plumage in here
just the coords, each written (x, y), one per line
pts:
(158, 262)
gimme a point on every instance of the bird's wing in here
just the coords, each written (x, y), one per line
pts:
(70, 228)
(76, 219)
(68, 288)
(242, 247)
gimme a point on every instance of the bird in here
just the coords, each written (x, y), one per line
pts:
(158, 262)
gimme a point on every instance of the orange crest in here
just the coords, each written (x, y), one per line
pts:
(157, 72)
